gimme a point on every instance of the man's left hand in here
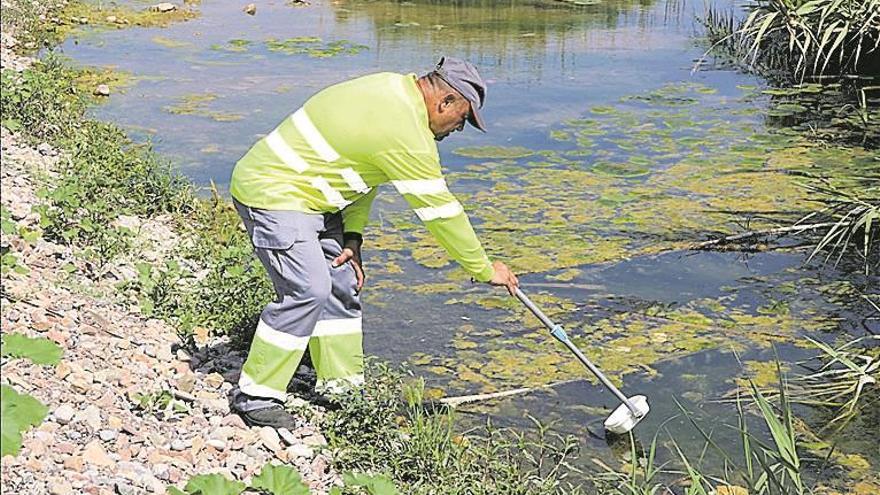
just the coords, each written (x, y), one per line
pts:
(352, 253)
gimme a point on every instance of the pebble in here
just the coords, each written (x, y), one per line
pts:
(270, 439)
(300, 450)
(102, 90)
(250, 9)
(63, 414)
(163, 7)
(108, 435)
(217, 443)
(96, 440)
(179, 444)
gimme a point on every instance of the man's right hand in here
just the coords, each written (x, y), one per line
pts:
(503, 276)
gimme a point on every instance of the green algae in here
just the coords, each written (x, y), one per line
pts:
(88, 79)
(170, 43)
(551, 213)
(233, 45)
(77, 16)
(314, 47)
(197, 104)
(496, 152)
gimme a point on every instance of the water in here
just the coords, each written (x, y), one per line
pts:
(628, 152)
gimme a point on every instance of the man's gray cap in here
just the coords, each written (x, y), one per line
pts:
(463, 76)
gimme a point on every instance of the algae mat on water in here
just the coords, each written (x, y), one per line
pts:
(648, 174)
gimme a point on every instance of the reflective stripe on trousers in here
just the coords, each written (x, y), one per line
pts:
(316, 305)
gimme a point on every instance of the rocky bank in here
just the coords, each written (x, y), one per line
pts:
(131, 411)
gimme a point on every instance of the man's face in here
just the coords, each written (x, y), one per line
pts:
(449, 115)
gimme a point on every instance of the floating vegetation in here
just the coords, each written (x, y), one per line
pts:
(169, 42)
(554, 212)
(626, 170)
(314, 47)
(196, 104)
(76, 16)
(234, 45)
(499, 152)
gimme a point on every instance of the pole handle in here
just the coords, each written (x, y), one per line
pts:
(559, 333)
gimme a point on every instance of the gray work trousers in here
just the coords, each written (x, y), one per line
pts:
(316, 306)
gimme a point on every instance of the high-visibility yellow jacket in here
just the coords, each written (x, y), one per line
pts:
(350, 137)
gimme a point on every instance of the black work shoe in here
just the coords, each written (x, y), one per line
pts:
(318, 399)
(274, 416)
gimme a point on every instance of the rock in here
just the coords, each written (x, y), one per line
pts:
(111, 19)
(250, 9)
(63, 414)
(288, 437)
(270, 439)
(235, 421)
(91, 416)
(60, 487)
(179, 444)
(102, 90)
(217, 443)
(164, 7)
(122, 488)
(214, 380)
(315, 440)
(95, 454)
(46, 149)
(300, 450)
(108, 435)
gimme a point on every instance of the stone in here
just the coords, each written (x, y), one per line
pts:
(164, 7)
(288, 437)
(179, 444)
(63, 414)
(315, 440)
(108, 435)
(217, 443)
(102, 90)
(300, 450)
(234, 420)
(270, 439)
(91, 416)
(60, 487)
(95, 454)
(186, 383)
(250, 9)
(214, 380)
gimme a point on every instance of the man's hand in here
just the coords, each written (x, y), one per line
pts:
(352, 253)
(503, 276)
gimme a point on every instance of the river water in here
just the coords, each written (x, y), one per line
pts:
(605, 152)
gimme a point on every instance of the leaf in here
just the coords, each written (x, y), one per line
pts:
(378, 484)
(213, 484)
(280, 480)
(173, 490)
(39, 350)
(18, 412)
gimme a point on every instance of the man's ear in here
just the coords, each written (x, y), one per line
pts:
(447, 101)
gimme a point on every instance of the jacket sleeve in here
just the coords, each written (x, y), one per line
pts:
(356, 215)
(417, 176)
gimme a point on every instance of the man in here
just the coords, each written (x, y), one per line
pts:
(304, 193)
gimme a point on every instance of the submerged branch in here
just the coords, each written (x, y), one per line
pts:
(759, 233)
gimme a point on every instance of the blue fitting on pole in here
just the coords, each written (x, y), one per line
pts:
(559, 333)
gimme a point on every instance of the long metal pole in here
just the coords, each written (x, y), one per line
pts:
(559, 333)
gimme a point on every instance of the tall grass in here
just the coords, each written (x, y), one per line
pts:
(855, 215)
(800, 38)
(425, 453)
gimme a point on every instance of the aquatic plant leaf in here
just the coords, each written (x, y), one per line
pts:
(213, 484)
(378, 484)
(18, 412)
(280, 480)
(500, 152)
(40, 350)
